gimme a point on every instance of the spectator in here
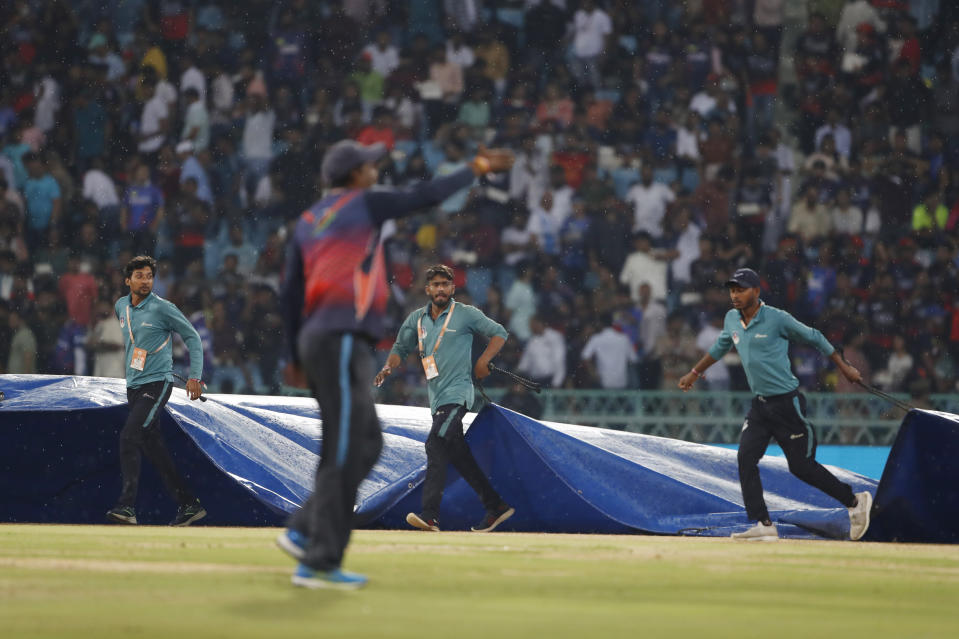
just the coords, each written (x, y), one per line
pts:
(846, 217)
(649, 200)
(898, 367)
(608, 354)
(154, 121)
(78, 288)
(676, 350)
(257, 147)
(809, 218)
(143, 207)
(196, 122)
(22, 359)
(192, 169)
(384, 57)
(854, 14)
(544, 356)
(520, 301)
(43, 202)
(718, 379)
(591, 26)
(105, 341)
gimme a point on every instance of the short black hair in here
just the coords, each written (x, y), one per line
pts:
(439, 269)
(140, 261)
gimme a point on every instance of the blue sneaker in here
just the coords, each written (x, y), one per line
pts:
(292, 543)
(337, 579)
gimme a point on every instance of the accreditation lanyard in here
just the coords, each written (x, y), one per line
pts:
(139, 359)
(429, 361)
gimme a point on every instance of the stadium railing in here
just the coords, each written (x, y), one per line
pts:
(715, 417)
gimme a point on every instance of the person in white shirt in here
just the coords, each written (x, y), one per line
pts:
(846, 216)
(47, 93)
(223, 93)
(529, 171)
(718, 378)
(652, 323)
(192, 77)
(649, 200)
(591, 26)
(839, 131)
(384, 57)
(611, 352)
(459, 52)
(544, 356)
(196, 121)
(520, 301)
(853, 14)
(516, 240)
(99, 188)
(556, 185)
(687, 139)
(686, 250)
(644, 266)
(105, 341)
(154, 120)
(258, 139)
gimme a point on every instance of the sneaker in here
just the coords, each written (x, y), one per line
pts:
(423, 523)
(337, 579)
(292, 543)
(186, 515)
(859, 515)
(122, 515)
(759, 532)
(494, 518)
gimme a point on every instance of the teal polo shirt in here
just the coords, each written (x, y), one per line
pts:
(763, 347)
(454, 384)
(153, 321)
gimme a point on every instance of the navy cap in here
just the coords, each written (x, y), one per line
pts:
(745, 277)
(346, 155)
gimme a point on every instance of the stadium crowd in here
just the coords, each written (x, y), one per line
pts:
(659, 145)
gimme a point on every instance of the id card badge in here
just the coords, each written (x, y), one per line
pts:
(429, 367)
(139, 359)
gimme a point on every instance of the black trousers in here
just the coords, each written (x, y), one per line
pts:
(446, 444)
(141, 435)
(783, 418)
(339, 368)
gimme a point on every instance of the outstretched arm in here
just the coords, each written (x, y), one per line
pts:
(385, 204)
(686, 381)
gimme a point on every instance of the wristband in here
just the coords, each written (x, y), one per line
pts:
(697, 373)
(481, 164)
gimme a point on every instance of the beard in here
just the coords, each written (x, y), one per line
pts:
(440, 304)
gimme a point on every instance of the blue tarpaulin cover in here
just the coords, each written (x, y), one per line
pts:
(251, 460)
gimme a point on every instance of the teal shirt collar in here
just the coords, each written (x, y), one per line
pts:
(426, 309)
(142, 302)
(756, 318)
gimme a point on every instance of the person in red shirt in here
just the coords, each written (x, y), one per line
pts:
(379, 130)
(78, 288)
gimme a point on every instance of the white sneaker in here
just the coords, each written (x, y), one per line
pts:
(859, 515)
(759, 532)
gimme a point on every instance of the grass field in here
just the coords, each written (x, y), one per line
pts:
(99, 581)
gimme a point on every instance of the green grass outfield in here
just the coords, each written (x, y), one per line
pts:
(104, 582)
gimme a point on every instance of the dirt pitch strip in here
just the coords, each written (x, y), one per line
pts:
(105, 582)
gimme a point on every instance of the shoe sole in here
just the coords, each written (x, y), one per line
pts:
(322, 584)
(868, 496)
(506, 515)
(414, 520)
(196, 517)
(283, 543)
(120, 519)
(762, 538)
